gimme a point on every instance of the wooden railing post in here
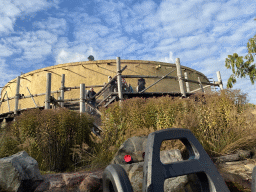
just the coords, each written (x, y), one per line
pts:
(179, 74)
(119, 79)
(62, 90)
(8, 101)
(201, 86)
(82, 98)
(48, 91)
(220, 80)
(214, 88)
(17, 96)
(187, 83)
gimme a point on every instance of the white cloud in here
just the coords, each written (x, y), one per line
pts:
(198, 53)
(240, 35)
(6, 24)
(36, 44)
(68, 56)
(145, 8)
(168, 59)
(5, 51)
(176, 11)
(54, 25)
(210, 9)
(111, 12)
(87, 32)
(11, 9)
(6, 73)
(233, 9)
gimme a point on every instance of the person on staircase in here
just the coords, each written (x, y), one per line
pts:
(141, 84)
(90, 95)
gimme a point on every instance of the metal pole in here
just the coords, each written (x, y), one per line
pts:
(32, 97)
(182, 90)
(17, 96)
(82, 98)
(8, 101)
(219, 79)
(187, 84)
(62, 89)
(119, 80)
(48, 91)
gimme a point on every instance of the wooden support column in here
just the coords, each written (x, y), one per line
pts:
(8, 101)
(187, 83)
(17, 96)
(62, 90)
(201, 86)
(179, 74)
(214, 86)
(48, 91)
(220, 80)
(82, 98)
(119, 79)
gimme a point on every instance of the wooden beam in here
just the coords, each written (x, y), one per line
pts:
(180, 79)
(17, 96)
(48, 91)
(119, 79)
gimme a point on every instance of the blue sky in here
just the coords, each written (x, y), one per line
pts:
(41, 33)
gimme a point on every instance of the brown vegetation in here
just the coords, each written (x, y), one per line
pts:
(60, 140)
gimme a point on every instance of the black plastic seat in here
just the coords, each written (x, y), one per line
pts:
(155, 173)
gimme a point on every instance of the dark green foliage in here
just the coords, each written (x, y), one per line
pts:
(240, 67)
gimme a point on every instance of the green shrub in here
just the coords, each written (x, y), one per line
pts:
(48, 136)
(218, 121)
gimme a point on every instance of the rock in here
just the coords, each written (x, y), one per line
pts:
(80, 182)
(239, 172)
(240, 155)
(134, 146)
(91, 183)
(19, 172)
(73, 180)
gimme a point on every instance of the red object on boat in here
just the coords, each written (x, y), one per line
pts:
(127, 158)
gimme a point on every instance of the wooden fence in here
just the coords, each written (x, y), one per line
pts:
(182, 80)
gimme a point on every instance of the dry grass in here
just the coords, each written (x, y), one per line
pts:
(222, 122)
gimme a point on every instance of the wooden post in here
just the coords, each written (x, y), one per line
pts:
(214, 86)
(220, 81)
(48, 91)
(182, 90)
(32, 97)
(201, 86)
(17, 96)
(82, 98)
(8, 101)
(187, 84)
(119, 79)
(62, 89)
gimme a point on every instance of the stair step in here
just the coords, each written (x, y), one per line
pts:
(110, 101)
